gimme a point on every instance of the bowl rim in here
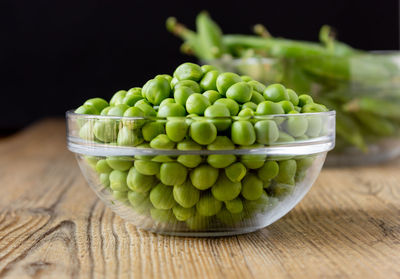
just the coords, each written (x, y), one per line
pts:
(309, 146)
(71, 113)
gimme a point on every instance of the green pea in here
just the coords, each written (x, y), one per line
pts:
(105, 111)
(250, 105)
(139, 182)
(240, 92)
(136, 113)
(298, 109)
(242, 133)
(133, 98)
(188, 83)
(312, 108)
(137, 199)
(118, 181)
(181, 94)
(161, 197)
(162, 215)
(246, 78)
(188, 71)
(166, 76)
(176, 130)
(208, 68)
(287, 171)
(188, 144)
(162, 142)
(268, 171)
(252, 207)
(91, 160)
(252, 187)
(197, 103)
(147, 167)
(87, 131)
(203, 132)
(225, 190)
(147, 109)
(156, 90)
(120, 196)
(203, 177)
(275, 93)
(182, 214)
(296, 126)
(234, 206)
(221, 143)
(304, 100)
(285, 137)
(186, 195)
(167, 101)
(208, 205)
(314, 126)
(230, 104)
(287, 106)
(226, 80)
(293, 97)
(256, 85)
(246, 113)
(106, 130)
(268, 107)
(103, 167)
(228, 218)
(256, 97)
(118, 98)
(235, 172)
(117, 110)
(267, 131)
(253, 161)
(173, 82)
(198, 222)
(212, 95)
(152, 129)
(98, 103)
(267, 184)
(119, 162)
(220, 161)
(128, 137)
(162, 159)
(105, 179)
(219, 111)
(280, 190)
(190, 161)
(304, 163)
(209, 81)
(134, 91)
(173, 173)
(171, 109)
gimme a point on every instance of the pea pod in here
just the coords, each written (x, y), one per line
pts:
(377, 106)
(210, 36)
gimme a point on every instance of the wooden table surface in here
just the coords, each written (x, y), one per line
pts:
(53, 226)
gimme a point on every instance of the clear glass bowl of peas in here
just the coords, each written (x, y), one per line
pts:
(191, 189)
(202, 152)
(364, 90)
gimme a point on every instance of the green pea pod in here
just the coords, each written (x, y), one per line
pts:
(377, 124)
(210, 36)
(190, 37)
(348, 129)
(376, 106)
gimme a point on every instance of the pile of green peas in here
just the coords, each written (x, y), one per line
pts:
(200, 108)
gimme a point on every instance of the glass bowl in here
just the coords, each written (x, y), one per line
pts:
(363, 89)
(199, 190)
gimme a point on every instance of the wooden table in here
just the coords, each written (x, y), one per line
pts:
(53, 226)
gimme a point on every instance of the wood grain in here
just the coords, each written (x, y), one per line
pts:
(53, 226)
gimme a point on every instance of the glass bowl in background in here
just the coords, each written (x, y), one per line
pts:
(199, 191)
(364, 90)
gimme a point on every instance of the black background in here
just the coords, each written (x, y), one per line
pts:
(55, 54)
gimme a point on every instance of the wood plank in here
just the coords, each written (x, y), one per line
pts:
(53, 226)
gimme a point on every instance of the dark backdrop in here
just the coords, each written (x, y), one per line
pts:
(56, 54)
